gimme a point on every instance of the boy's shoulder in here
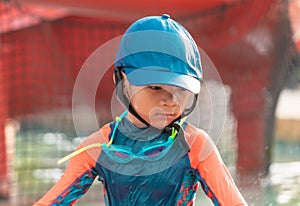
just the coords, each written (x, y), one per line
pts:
(106, 129)
(197, 138)
(194, 132)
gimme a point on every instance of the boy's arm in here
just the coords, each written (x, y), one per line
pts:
(214, 177)
(77, 178)
(217, 181)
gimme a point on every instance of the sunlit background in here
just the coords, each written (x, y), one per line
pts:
(254, 45)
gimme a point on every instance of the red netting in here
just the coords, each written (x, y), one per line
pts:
(40, 60)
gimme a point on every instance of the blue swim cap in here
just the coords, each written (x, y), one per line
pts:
(158, 50)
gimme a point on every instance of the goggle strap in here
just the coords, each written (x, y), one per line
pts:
(118, 120)
(77, 152)
(73, 154)
(174, 133)
(175, 130)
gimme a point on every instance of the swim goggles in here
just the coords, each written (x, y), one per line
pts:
(124, 154)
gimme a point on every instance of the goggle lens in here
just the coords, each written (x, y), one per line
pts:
(121, 154)
(154, 151)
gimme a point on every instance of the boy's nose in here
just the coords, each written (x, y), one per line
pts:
(169, 99)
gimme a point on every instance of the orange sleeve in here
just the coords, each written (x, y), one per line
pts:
(215, 179)
(78, 176)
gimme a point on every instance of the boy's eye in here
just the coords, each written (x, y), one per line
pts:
(182, 90)
(155, 87)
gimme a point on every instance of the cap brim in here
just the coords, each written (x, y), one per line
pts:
(154, 75)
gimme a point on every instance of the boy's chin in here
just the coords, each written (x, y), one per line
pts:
(160, 124)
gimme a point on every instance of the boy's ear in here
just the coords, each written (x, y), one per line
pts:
(123, 74)
(125, 83)
(114, 78)
(117, 76)
(120, 75)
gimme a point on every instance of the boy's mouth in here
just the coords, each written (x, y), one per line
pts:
(165, 115)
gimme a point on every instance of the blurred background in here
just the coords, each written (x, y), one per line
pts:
(254, 45)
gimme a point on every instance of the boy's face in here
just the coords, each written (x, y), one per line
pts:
(158, 104)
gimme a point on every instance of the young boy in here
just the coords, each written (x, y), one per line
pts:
(150, 155)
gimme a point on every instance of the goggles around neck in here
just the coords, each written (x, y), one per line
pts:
(124, 154)
(152, 152)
